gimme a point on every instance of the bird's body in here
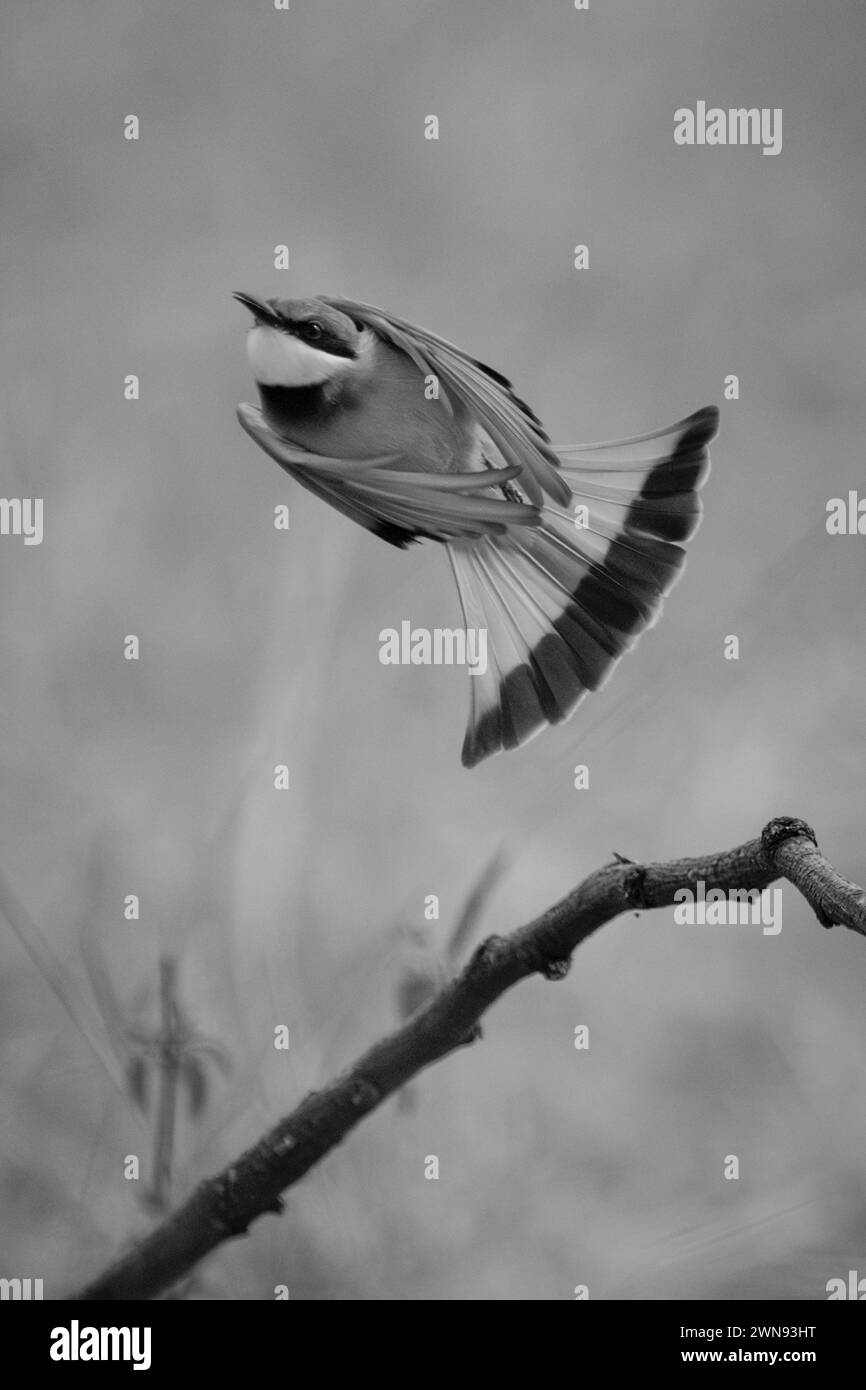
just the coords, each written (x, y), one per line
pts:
(563, 563)
(379, 407)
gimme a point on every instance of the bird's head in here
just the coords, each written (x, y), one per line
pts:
(301, 342)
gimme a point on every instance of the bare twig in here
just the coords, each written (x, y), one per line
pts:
(223, 1206)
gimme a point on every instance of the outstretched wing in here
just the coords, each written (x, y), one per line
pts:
(396, 504)
(514, 429)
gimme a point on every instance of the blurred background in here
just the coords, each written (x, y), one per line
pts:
(155, 1037)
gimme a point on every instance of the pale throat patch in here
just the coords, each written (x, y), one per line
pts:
(280, 359)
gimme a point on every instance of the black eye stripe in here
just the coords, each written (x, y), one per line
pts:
(323, 338)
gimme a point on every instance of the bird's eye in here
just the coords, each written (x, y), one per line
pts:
(313, 330)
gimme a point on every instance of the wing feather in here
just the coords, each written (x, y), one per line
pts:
(396, 504)
(486, 394)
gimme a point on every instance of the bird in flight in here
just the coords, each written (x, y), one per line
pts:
(563, 556)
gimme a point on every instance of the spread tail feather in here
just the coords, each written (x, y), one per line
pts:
(561, 603)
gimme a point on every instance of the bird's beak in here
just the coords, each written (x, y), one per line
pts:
(261, 312)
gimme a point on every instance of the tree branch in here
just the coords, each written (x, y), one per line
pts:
(223, 1206)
